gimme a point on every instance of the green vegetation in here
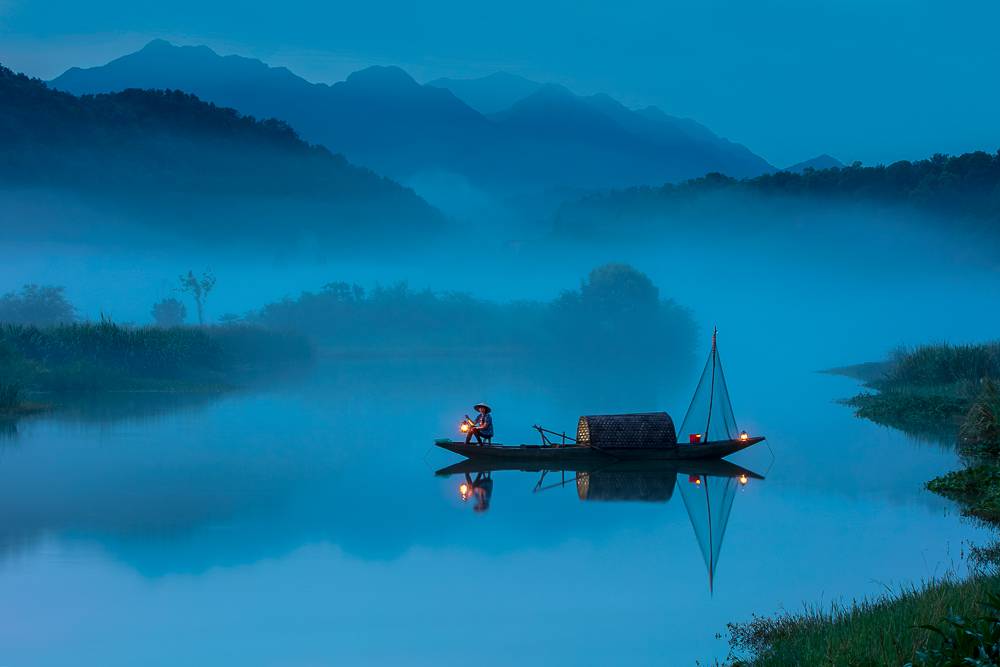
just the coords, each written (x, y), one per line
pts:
(966, 186)
(926, 392)
(976, 488)
(108, 356)
(961, 621)
(10, 396)
(37, 304)
(585, 327)
(950, 392)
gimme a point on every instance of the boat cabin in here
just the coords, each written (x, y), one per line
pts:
(639, 430)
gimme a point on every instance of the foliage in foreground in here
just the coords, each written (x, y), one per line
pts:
(883, 631)
(966, 640)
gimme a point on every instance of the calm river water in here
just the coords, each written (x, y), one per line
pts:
(303, 524)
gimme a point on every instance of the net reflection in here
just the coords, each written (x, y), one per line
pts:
(707, 488)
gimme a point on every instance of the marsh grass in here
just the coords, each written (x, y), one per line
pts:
(106, 355)
(10, 396)
(934, 392)
(880, 631)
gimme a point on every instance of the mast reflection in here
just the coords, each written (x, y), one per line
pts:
(707, 488)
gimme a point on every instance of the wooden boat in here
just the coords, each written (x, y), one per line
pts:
(709, 424)
(576, 452)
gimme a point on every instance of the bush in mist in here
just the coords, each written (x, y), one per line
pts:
(618, 311)
(169, 313)
(37, 304)
(616, 314)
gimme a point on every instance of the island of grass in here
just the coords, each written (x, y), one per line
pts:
(948, 394)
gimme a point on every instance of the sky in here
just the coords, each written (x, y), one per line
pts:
(869, 80)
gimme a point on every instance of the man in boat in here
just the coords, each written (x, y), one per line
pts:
(482, 426)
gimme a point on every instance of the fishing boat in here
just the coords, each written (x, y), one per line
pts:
(649, 436)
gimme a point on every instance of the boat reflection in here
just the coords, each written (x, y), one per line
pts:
(707, 488)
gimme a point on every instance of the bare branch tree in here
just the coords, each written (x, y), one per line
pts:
(198, 288)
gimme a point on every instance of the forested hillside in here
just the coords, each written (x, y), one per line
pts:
(965, 187)
(168, 154)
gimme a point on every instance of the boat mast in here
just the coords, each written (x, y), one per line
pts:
(711, 393)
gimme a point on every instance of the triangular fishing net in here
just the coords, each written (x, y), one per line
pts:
(710, 416)
(708, 501)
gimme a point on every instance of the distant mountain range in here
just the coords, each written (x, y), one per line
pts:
(489, 94)
(823, 161)
(504, 134)
(191, 166)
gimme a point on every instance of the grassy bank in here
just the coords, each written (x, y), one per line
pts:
(883, 631)
(937, 392)
(926, 392)
(110, 357)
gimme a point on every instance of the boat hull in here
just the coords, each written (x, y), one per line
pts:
(707, 450)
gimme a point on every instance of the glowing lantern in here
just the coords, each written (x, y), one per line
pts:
(744, 479)
(463, 490)
(744, 436)
(694, 479)
(464, 428)
(694, 438)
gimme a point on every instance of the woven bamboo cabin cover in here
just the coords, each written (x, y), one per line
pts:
(645, 429)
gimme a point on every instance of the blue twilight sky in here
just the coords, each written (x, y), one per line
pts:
(872, 80)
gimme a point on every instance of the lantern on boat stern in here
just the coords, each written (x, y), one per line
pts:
(463, 490)
(744, 436)
(694, 438)
(694, 479)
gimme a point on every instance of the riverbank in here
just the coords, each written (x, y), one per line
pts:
(105, 356)
(946, 394)
(882, 631)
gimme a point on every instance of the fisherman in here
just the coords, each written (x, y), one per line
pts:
(482, 426)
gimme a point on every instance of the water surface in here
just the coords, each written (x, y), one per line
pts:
(303, 524)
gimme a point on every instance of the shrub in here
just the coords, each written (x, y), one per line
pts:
(169, 313)
(40, 305)
(965, 641)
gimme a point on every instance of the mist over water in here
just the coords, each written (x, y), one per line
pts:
(301, 523)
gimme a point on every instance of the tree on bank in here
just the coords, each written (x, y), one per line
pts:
(199, 289)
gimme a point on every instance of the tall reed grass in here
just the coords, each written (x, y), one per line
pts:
(880, 631)
(10, 395)
(106, 355)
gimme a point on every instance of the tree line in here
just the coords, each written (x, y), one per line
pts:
(965, 186)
